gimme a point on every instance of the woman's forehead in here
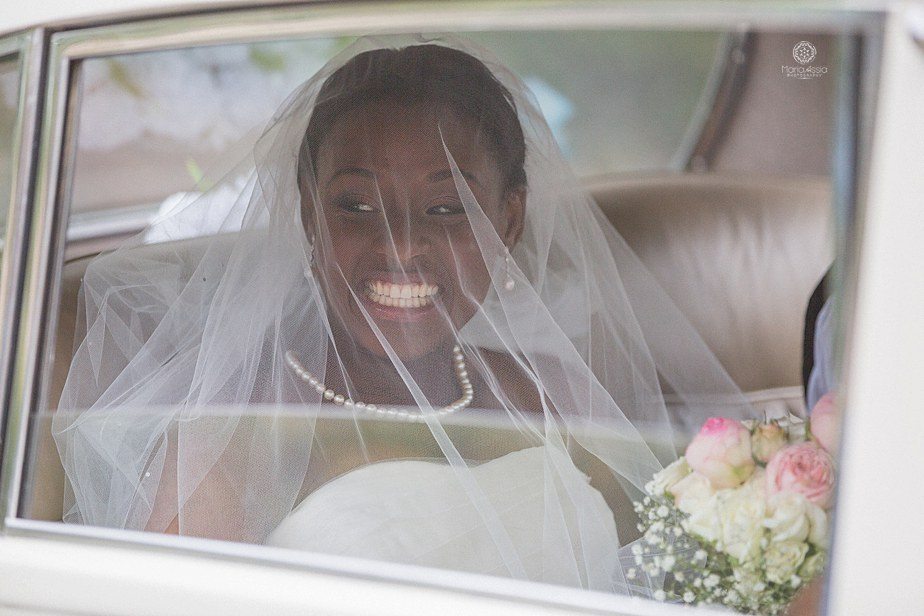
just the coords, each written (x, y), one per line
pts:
(393, 138)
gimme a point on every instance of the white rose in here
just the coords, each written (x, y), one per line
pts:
(788, 520)
(782, 560)
(813, 565)
(741, 513)
(818, 525)
(666, 478)
(692, 493)
(703, 519)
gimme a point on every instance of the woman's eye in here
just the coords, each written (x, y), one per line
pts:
(446, 209)
(354, 205)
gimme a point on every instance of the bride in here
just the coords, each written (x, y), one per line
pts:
(415, 338)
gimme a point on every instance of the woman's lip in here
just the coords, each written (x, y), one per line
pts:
(397, 278)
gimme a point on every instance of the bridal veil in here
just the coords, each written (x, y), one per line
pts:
(410, 319)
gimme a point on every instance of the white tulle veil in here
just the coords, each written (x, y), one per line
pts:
(192, 404)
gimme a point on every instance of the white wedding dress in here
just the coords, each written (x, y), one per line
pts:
(420, 513)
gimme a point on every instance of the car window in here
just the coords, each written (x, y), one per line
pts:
(9, 99)
(153, 131)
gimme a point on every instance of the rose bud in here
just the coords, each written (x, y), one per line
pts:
(823, 423)
(804, 469)
(766, 440)
(722, 452)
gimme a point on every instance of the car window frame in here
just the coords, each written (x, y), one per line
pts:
(30, 47)
(58, 57)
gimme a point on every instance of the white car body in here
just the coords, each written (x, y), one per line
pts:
(50, 568)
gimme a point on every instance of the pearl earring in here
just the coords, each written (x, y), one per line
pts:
(309, 263)
(510, 283)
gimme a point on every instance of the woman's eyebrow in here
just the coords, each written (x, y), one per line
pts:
(351, 171)
(446, 174)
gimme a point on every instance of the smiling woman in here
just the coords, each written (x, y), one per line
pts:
(395, 243)
(414, 322)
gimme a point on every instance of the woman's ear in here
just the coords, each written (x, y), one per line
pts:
(515, 212)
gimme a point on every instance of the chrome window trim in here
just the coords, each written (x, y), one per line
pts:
(32, 49)
(67, 48)
(241, 25)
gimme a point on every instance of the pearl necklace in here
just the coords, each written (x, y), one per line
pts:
(458, 359)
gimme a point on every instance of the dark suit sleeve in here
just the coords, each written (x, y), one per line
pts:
(816, 301)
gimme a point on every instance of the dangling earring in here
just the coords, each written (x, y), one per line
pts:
(309, 263)
(510, 283)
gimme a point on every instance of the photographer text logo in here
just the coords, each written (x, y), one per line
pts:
(803, 53)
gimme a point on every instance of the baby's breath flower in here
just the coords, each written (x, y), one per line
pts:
(631, 573)
(668, 562)
(659, 595)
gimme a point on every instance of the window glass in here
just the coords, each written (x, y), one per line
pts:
(156, 124)
(265, 268)
(9, 103)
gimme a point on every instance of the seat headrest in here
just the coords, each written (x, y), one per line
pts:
(739, 255)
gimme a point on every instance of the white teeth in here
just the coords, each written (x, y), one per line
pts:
(401, 295)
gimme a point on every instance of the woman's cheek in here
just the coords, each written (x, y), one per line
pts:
(472, 277)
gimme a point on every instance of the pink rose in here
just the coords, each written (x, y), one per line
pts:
(823, 423)
(722, 452)
(804, 469)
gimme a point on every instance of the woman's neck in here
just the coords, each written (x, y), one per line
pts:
(376, 379)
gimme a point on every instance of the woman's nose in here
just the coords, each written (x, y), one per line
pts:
(403, 242)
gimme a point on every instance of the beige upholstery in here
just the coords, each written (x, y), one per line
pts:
(739, 255)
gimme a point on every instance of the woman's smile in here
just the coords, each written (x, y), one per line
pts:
(400, 297)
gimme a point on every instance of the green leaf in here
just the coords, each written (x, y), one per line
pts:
(197, 175)
(121, 78)
(266, 60)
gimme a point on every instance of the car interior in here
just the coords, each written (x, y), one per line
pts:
(739, 235)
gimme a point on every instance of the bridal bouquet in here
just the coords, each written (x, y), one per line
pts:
(741, 519)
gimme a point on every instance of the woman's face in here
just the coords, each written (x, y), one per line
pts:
(392, 237)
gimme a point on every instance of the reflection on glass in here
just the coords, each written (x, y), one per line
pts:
(399, 329)
(155, 124)
(9, 103)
